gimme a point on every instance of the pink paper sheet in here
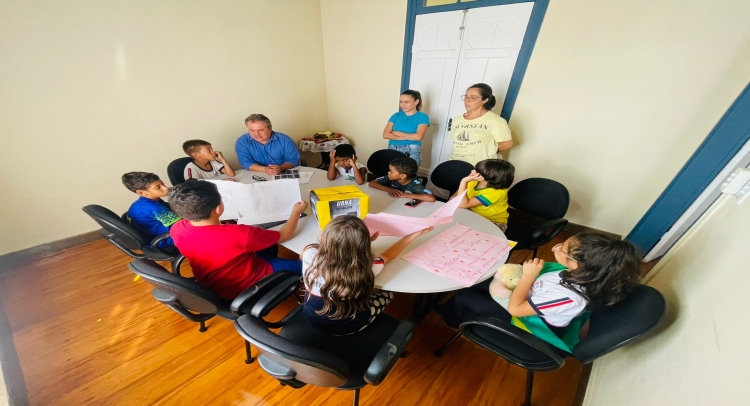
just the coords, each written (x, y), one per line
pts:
(460, 254)
(398, 226)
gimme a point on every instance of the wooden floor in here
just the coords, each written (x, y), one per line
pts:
(87, 333)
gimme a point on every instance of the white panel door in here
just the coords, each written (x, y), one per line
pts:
(434, 60)
(489, 50)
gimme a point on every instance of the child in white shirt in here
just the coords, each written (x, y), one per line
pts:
(346, 164)
(207, 163)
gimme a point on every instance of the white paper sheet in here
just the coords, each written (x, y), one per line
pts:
(304, 177)
(257, 203)
(228, 189)
(264, 202)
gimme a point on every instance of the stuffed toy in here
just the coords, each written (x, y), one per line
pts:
(506, 279)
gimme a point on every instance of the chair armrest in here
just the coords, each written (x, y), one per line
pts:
(540, 237)
(155, 244)
(390, 352)
(274, 297)
(514, 332)
(245, 301)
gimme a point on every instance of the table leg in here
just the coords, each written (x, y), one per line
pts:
(422, 304)
(325, 161)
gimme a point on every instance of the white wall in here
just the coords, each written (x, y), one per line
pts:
(616, 98)
(700, 356)
(618, 95)
(91, 90)
(363, 43)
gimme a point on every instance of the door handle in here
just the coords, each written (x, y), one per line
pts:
(450, 121)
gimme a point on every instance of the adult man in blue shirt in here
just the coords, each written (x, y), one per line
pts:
(265, 150)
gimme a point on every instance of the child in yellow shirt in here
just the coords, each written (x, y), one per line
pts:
(487, 190)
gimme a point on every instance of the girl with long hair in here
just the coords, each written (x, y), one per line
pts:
(406, 128)
(339, 276)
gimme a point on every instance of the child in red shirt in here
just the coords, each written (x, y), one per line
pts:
(227, 258)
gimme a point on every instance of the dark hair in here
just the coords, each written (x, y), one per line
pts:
(608, 269)
(193, 146)
(259, 117)
(344, 151)
(138, 180)
(486, 91)
(406, 166)
(415, 95)
(194, 200)
(497, 172)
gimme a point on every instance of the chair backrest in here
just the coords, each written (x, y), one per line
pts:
(116, 228)
(378, 162)
(289, 361)
(612, 327)
(540, 197)
(180, 291)
(448, 174)
(176, 170)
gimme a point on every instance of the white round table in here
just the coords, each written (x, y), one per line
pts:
(398, 275)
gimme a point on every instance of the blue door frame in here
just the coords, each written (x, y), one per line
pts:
(722, 143)
(416, 7)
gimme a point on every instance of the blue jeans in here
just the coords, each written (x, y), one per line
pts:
(413, 151)
(279, 264)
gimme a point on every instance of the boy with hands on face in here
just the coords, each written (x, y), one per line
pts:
(344, 163)
(207, 163)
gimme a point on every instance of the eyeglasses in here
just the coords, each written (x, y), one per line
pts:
(471, 98)
(259, 178)
(558, 248)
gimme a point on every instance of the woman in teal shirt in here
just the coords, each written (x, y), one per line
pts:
(406, 128)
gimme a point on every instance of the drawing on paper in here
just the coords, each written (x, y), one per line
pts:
(460, 254)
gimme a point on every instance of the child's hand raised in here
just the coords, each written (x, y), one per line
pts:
(332, 155)
(473, 176)
(532, 267)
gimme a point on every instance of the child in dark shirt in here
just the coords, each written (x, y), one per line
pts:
(400, 181)
(339, 275)
(149, 214)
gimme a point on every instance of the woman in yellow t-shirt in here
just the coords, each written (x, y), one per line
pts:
(479, 134)
(487, 190)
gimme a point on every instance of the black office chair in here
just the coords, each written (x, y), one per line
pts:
(538, 198)
(448, 176)
(299, 354)
(610, 327)
(176, 170)
(127, 239)
(378, 162)
(198, 303)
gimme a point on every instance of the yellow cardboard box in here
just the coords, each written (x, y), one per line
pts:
(331, 202)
